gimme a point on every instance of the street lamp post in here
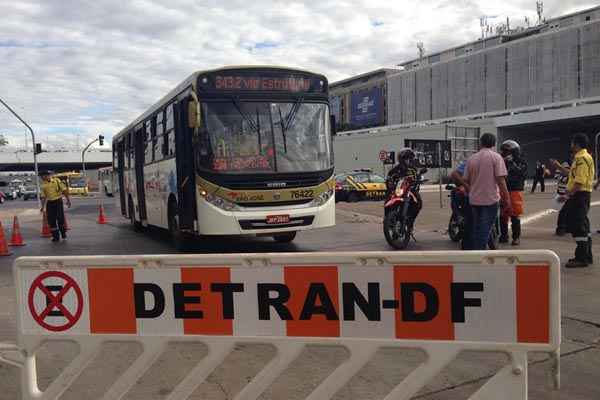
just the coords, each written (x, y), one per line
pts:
(35, 164)
(99, 139)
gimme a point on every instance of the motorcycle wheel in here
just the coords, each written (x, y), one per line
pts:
(454, 229)
(396, 233)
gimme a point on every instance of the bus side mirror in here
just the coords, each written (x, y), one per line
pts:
(194, 112)
(332, 123)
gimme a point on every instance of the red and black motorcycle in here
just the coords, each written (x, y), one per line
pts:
(402, 207)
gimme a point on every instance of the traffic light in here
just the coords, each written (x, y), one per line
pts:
(38, 148)
(101, 140)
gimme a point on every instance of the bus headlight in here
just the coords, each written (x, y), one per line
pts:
(322, 198)
(220, 202)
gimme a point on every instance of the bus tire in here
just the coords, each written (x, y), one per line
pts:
(178, 238)
(284, 237)
(137, 227)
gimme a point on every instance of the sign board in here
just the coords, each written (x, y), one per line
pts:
(383, 155)
(427, 152)
(439, 296)
(335, 105)
(366, 108)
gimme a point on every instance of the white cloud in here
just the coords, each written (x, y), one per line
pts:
(78, 68)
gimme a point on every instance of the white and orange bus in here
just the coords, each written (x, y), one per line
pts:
(231, 151)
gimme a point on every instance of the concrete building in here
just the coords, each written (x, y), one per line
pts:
(538, 86)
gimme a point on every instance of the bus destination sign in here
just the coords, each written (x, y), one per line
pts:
(289, 84)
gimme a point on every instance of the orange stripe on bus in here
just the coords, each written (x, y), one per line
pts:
(211, 303)
(440, 327)
(111, 300)
(533, 304)
(298, 280)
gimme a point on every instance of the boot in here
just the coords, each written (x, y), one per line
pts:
(590, 256)
(516, 231)
(581, 256)
(63, 232)
(503, 231)
(55, 235)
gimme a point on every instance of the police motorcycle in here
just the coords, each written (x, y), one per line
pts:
(403, 202)
(456, 225)
(458, 202)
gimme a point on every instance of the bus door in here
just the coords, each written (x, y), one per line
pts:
(184, 156)
(139, 172)
(121, 174)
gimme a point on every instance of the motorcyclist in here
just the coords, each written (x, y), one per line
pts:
(405, 168)
(516, 168)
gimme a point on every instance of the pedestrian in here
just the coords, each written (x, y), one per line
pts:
(516, 169)
(52, 192)
(577, 200)
(485, 175)
(561, 191)
(539, 177)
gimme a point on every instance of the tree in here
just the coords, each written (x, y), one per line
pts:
(3, 141)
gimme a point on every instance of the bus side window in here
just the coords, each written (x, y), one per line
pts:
(168, 147)
(129, 149)
(148, 149)
(158, 140)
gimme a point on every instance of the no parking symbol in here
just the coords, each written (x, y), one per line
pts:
(54, 308)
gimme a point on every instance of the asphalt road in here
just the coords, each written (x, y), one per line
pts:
(358, 228)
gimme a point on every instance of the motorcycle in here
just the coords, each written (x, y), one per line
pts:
(456, 225)
(401, 208)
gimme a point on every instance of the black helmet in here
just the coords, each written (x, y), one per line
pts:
(510, 147)
(406, 154)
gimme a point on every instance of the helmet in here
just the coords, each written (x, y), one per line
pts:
(510, 147)
(406, 155)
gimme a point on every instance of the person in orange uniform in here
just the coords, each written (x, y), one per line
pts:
(52, 192)
(516, 168)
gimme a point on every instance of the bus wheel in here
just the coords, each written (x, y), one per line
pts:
(284, 237)
(134, 224)
(178, 238)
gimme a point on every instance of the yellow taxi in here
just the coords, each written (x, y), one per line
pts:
(359, 185)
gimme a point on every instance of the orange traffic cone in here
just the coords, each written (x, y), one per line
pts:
(45, 227)
(3, 246)
(16, 238)
(101, 218)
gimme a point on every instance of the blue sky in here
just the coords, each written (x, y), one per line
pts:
(77, 68)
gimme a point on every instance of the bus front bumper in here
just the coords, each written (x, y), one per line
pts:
(216, 221)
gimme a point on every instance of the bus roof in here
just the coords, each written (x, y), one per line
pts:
(189, 81)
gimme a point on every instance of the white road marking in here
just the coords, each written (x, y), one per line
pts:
(541, 214)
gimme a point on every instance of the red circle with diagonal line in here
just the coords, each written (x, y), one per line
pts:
(55, 301)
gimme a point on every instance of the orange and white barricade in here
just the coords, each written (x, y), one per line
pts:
(443, 303)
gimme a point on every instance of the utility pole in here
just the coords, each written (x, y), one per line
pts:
(35, 164)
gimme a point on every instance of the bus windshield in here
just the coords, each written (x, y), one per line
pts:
(78, 182)
(265, 137)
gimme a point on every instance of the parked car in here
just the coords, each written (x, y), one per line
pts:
(8, 192)
(29, 192)
(359, 185)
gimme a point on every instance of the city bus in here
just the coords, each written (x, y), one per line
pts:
(105, 181)
(231, 151)
(75, 182)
